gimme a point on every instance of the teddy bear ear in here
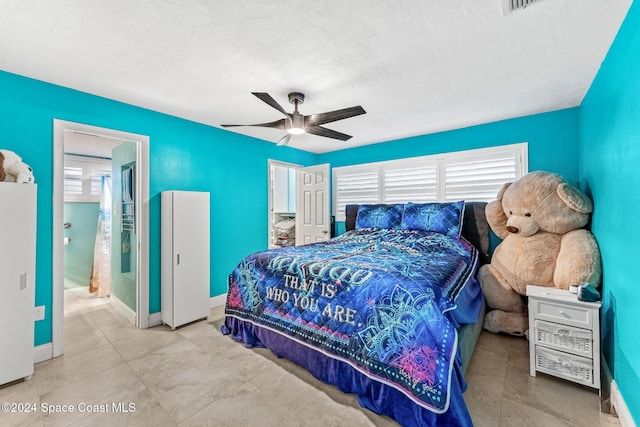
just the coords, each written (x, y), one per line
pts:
(574, 198)
(502, 190)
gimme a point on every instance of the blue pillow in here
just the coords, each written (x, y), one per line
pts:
(379, 216)
(445, 218)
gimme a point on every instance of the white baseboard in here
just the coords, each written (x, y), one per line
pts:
(621, 407)
(155, 319)
(43, 352)
(218, 300)
(616, 402)
(123, 309)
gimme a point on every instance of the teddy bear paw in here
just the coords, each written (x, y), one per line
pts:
(509, 323)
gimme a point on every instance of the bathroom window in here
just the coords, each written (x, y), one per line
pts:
(82, 176)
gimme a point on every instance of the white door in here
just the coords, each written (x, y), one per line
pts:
(312, 203)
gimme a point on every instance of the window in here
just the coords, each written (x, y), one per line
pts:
(83, 176)
(354, 184)
(473, 175)
(413, 181)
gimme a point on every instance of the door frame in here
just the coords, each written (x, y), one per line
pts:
(142, 219)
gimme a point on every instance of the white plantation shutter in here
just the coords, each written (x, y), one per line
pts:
(473, 175)
(356, 186)
(73, 177)
(416, 183)
(480, 177)
(82, 178)
(96, 173)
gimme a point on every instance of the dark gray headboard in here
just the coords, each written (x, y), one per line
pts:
(474, 226)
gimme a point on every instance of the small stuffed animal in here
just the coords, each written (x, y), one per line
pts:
(540, 218)
(13, 169)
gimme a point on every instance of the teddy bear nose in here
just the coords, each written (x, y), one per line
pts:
(512, 229)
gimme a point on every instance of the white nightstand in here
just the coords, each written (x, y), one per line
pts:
(564, 336)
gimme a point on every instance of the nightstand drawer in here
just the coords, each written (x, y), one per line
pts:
(563, 313)
(564, 365)
(564, 338)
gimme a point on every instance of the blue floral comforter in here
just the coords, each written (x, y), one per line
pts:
(377, 299)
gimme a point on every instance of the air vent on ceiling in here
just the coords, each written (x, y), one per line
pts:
(509, 6)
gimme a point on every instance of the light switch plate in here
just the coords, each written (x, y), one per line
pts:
(39, 312)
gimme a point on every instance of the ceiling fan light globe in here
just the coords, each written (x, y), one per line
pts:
(295, 131)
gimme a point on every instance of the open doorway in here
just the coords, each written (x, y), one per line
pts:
(298, 204)
(99, 223)
(282, 203)
(87, 220)
(124, 268)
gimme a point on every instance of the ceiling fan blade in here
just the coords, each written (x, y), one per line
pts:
(284, 140)
(332, 116)
(265, 97)
(278, 124)
(328, 133)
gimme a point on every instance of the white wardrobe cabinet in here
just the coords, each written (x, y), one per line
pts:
(17, 280)
(185, 257)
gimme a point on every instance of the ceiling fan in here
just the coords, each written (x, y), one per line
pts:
(296, 123)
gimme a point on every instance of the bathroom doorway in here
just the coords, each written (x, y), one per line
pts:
(120, 224)
(282, 203)
(87, 220)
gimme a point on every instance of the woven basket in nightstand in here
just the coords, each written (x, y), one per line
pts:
(564, 365)
(564, 337)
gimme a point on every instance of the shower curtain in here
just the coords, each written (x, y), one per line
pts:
(101, 273)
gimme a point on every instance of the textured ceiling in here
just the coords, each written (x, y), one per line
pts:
(417, 67)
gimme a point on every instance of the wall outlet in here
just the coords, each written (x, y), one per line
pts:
(39, 312)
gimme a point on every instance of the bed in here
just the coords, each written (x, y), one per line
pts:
(390, 310)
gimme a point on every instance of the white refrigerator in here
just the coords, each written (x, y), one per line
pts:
(185, 269)
(17, 280)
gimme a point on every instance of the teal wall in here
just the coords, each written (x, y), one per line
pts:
(609, 159)
(78, 254)
(183, 156)
(552, 138)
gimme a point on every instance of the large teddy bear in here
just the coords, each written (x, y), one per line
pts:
(540, 218)
(13, 169)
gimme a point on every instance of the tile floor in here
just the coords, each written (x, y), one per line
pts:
(195, 376)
